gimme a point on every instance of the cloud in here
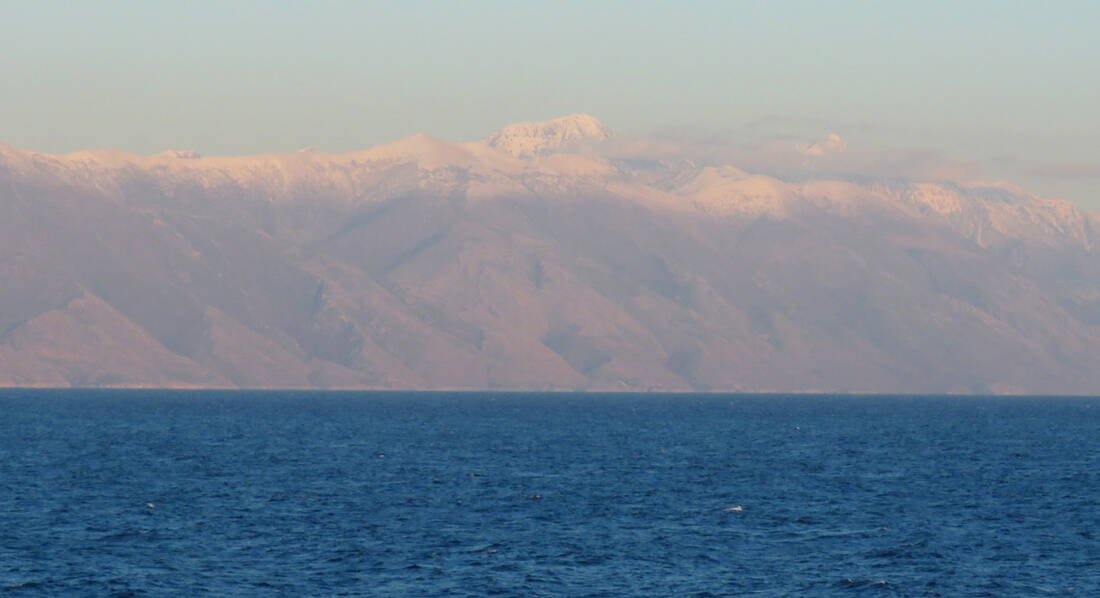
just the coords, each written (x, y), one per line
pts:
(785, 156)
(1068, 171)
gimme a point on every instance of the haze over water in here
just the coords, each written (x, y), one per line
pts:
(150, 493)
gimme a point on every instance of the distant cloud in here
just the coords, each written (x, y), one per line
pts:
(783, 156)
(1068, 171)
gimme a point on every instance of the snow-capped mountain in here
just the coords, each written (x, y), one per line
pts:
(531, 140)
(533, 259)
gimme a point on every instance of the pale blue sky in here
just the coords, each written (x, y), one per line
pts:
(1014, 86)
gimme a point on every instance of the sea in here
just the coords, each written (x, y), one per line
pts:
(192, 493)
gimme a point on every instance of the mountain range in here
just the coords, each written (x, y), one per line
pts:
(540, 258)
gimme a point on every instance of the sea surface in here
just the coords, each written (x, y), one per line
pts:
(158, 493)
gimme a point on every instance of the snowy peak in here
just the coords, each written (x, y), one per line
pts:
(180, 154)
(531, 140)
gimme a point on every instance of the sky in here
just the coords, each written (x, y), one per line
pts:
(1008, 90)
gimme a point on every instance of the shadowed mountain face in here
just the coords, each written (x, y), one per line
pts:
(532, 260)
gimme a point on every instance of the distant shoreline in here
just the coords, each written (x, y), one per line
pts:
(638, 393)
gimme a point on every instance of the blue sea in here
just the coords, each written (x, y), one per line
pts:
(185, 493)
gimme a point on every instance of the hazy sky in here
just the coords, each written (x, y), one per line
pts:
(1012, 88)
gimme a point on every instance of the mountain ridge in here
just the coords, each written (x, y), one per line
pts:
(429, 264)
